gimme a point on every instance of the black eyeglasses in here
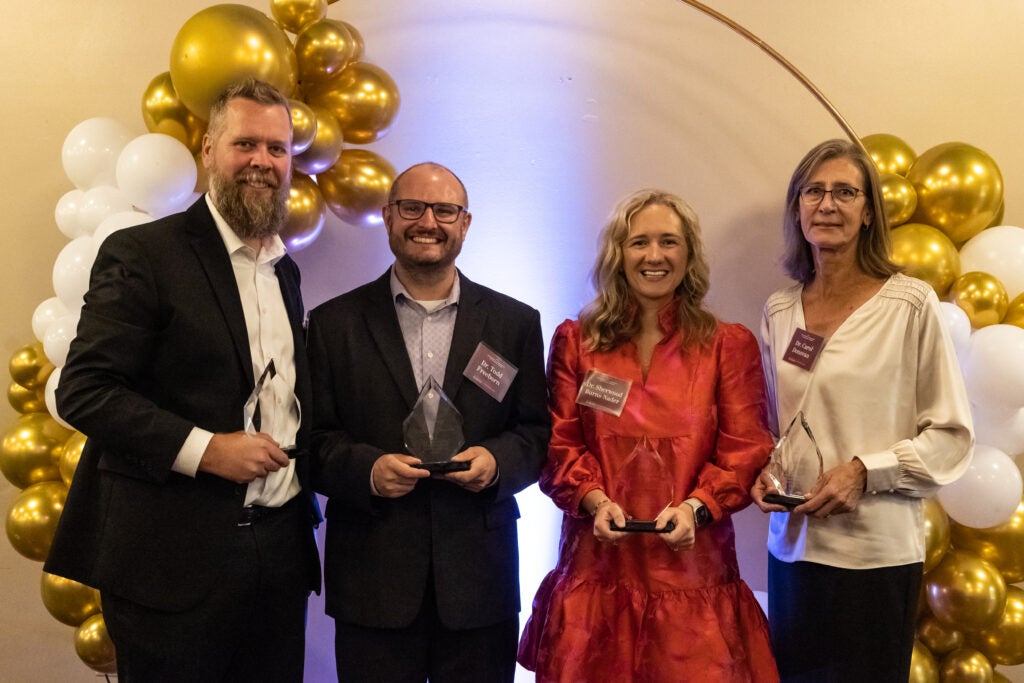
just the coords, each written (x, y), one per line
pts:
(814, 194)
(444, 212)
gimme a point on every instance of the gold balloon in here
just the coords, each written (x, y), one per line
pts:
(325, 149)
(981, 296)
(70, 455)
(959, 189)
(94, 647)
(890, 153)
(69, 602)
(938, 637)
(923, 668)
(295, 15)
(1001, 545)
(357, 187)
(31, 448)
(323, 49)
(1000, 678)
(965, 592)
(29, 366)
(33, 517)
(306, 213)
(998, 218)
(898, 197)
(1015, 311)
(1003, 642)
(363, 97)
(164, 112)
(927, 254)
(26, 400)
(223, 44)
(936, 532)
(965, 665)
(357, 38)
(303, 126)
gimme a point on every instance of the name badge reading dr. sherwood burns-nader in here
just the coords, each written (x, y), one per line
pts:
(489, 371)
(603, 392)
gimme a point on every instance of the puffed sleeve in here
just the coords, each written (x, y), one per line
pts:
(743, 442)
(571, 471)
(941, 451)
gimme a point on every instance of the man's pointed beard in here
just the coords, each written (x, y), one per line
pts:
(251, 216)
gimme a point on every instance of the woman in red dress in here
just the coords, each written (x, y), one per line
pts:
(658, 414)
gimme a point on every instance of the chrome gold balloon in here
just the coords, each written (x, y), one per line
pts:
(32, 519)
(30, 449)
(70, 454)
(26, 400)
(94, 647)
(326, 147)
(1003, 642)
(29, 366)
(303, 126)
(923, 667)
(936, 532)
(965, 665)
(363, 97)
(69, 602)
(965, 592)
(357, 38)
(927, 254)
(938, 637)
(164, 112)
(981, 296)
(306, 213)
(223, 44)
(898, 197)
(959, 189)
(323, 49)
(890, 153)
(295, 15)
(1015, 312)
(1002, 545)
(357, 187)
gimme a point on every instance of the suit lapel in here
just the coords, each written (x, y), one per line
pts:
(469, 331)
(382, 322)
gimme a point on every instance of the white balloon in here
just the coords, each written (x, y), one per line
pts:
(50, 397)
(994, 367)
(988, 493)
(957, 324)
(45, 314)
(100, 203)
(1003, 430)
(157, 173)
(67, 213)
(91, 149)
(57, 339)
(998, 251)
(71, 271)
(119, 221)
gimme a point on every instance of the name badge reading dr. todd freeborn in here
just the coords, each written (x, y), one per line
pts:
(603, 392)
(803, 349)
(489, 371)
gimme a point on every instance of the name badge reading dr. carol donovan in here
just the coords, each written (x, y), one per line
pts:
(803, 349)
(603, 392)
(489, 371)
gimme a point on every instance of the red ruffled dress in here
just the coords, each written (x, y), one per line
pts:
(636, 610)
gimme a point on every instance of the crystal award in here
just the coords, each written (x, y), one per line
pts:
(795, 465)
(643, 489)
(433, 430)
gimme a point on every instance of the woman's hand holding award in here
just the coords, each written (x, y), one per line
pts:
(643, 489)
(796, 464)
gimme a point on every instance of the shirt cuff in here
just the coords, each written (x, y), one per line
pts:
(883, 471)
(187, 460)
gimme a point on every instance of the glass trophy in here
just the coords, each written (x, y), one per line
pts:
(796, 464)
(643, 489)
(433, 431)
(264, 412)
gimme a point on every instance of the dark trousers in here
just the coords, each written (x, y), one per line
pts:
(250, 628)
(832, 625)
(426, 650)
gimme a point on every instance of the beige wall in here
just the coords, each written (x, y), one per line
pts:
(550, 111)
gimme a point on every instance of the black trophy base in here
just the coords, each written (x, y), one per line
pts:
(782, 499)
(444, 467)
(643, 526)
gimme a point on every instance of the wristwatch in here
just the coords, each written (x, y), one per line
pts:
(701, 514)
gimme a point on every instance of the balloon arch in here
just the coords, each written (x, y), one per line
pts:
(945, 207)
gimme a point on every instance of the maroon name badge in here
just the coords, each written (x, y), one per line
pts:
(489, 371)
(804, 349)
(603, 392)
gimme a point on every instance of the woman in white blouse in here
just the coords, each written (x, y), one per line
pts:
(860, 350)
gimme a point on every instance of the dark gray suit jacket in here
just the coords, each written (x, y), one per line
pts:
(161, 347)
(380, 552)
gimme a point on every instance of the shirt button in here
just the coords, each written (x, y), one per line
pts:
(430, 354)
(430, 394)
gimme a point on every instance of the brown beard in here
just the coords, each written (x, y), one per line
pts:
(250, 216)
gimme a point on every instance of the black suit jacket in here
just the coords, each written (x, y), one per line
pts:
(381, 552)
(161, 347)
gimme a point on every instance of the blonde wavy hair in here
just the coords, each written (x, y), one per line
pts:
(612, 317)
